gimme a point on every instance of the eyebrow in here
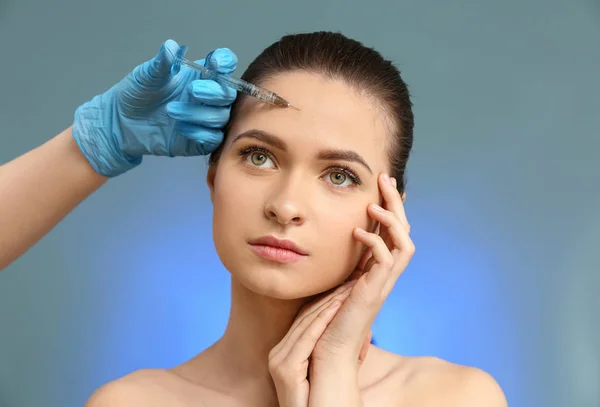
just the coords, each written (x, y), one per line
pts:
(330, 154)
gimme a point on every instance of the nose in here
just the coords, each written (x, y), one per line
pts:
(285, 206)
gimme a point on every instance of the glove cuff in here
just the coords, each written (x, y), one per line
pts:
(92, 130)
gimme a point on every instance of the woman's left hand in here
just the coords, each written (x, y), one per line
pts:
(333, 359)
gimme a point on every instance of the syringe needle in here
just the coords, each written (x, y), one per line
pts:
(238, 84)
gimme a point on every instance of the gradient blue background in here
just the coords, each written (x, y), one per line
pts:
(503, 193)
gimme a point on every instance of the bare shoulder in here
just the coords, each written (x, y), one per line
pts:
(147, 387)
(428, 381)
(436, 382)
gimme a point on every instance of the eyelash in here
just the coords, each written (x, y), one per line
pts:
(344, 169)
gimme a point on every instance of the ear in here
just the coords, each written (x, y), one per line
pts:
(403, 196)
(210, 179)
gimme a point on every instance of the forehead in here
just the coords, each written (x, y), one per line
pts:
(331, 115)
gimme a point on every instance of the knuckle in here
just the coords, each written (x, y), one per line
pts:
(274, 366)
(279, 369)
(273, 354)
(393, 221)
(388, 263)
(285, 372)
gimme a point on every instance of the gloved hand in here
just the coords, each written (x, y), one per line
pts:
(154, 112)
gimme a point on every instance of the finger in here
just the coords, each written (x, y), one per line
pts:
(360, 267)
(308, 313)
(211, 93)
(304, 346)
(402, 199)
(222, 60)
(403, 246)
(365, 347)
(195, 140)
(383, 232)
(393, 232)
(157, 71)
(355, 274)
(306, 316)
(392, 198)
(402, 252)
(207, 116)
(369, 264)
(319, 302)
(362, 263)
(376, 276)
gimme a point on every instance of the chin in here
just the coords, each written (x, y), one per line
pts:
(283, 282)
(307, 277)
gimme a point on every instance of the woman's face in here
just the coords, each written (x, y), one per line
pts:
(305, 176)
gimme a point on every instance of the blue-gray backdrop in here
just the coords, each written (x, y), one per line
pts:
(503, 192)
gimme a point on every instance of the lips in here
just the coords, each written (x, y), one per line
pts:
(279, 243)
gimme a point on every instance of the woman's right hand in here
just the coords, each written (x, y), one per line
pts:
(153, 111)
(289, 359)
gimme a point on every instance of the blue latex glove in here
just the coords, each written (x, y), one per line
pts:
(153, 112)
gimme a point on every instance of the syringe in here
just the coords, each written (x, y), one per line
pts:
(238, 84)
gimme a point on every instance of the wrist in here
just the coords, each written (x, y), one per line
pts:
(95, 138)
(74, 160)
(334, 384)
(335, 364)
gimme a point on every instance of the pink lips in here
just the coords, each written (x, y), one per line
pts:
(279, 250)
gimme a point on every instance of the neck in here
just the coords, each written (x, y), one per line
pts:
(256, 324)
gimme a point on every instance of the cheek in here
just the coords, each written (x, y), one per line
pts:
(347, 213)
(228, 220)
(236, 196)
(339, 250)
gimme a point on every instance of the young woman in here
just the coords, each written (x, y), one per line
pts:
(308, 218)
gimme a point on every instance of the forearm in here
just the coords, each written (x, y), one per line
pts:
(38, 189)
(334, 385)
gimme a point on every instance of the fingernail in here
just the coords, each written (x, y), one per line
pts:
(377, 207)
(361, 231)
(388, 179)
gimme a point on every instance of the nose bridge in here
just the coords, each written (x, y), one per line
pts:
(288, 200)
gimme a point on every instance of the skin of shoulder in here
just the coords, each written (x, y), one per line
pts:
(147, 387)
(419, 381)
(431, 381)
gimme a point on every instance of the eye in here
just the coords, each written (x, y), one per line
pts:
(338, 178)
(343, 177)
(256, 156)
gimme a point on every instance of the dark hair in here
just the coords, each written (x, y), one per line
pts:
(337, 57)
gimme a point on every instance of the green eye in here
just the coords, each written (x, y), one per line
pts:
(337, 178)
(258, 158)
